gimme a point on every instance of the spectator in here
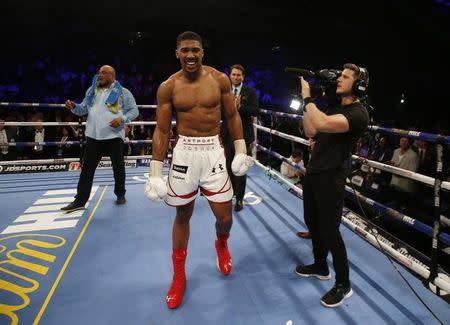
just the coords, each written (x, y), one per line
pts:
(404, 157)
(288, 170)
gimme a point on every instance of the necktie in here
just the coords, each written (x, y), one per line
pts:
(422, 154)
(235, 92)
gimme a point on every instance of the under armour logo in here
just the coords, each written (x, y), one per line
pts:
(220, 166)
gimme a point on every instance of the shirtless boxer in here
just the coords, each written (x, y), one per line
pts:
(197, 93)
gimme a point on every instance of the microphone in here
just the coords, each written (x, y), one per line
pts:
(300, 72)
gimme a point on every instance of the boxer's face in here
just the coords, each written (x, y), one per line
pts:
(190, 53)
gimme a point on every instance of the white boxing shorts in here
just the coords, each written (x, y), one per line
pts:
(198, 162)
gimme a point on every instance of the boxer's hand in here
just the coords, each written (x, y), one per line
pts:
(241, 162)
(155, 187)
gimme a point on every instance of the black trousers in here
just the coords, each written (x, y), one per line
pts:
(323, 200)
(94, 151)
(238, 182)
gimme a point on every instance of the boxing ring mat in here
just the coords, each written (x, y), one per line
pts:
(112, 264)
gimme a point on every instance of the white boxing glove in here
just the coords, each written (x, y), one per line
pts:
(241, 162)
(155, 187)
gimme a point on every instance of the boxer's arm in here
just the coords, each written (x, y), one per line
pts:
(161, 136)
(229, 107)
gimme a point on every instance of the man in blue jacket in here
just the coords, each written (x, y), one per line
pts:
(108, 106)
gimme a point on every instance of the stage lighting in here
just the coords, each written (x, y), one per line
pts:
(295, 103)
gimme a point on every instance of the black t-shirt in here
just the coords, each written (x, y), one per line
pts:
(332, 150)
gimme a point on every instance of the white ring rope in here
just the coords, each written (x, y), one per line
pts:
(70, 123)
(442, 281)
(283, 135)
(45, 105)
(50, 161)
(294, 116)
(394, 170)
(280, 177)
(284, 159)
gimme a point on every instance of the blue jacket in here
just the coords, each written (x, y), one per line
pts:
(99, 115)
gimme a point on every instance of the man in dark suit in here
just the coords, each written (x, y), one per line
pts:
(427, 158)
(247, 106)
(39, 133)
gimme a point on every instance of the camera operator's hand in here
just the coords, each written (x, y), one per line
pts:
(305, 88)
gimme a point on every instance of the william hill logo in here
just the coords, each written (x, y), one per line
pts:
(30, 258)
(24, 262)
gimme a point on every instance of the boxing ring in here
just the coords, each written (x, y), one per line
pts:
(111, 264)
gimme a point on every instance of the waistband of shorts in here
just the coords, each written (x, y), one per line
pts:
(199, 141)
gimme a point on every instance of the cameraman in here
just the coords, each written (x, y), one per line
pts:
(335, 131)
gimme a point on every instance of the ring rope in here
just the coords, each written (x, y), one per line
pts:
(284, 159)
(410, 222)
(48, 105)
(57, 143)
(421, 269)
(413, 134)
(433, 270)
(431, 137)
(394, 170)
(70, 123)
(59, 160)
(274, 113)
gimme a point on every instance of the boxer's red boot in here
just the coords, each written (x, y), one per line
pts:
(223, 255)
(174, 296)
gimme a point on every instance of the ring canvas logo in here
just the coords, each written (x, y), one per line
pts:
(33, 249)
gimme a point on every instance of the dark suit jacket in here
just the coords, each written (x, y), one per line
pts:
(48, 151)
(249, 108)
(428, 165)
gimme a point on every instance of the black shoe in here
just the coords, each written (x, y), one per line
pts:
(313, 270)
(304, 234)
(337, 295)
(121, 200)
(239, 205)
(75, 205)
